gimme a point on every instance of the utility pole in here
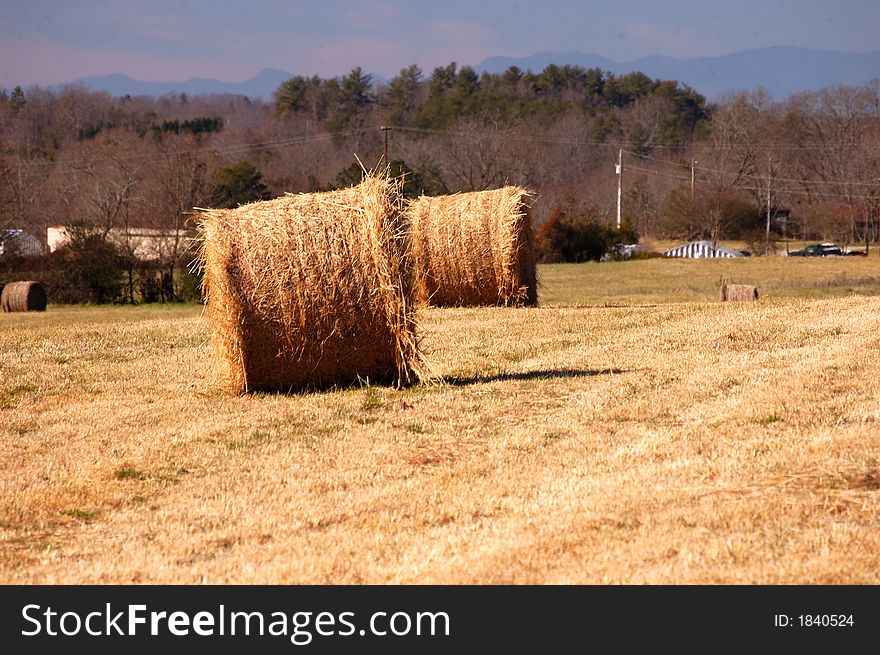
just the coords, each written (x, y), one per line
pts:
(385, 129)
(619, 169)
(694, 163)
(769, 179)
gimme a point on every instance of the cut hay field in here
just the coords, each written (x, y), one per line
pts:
(631, 429)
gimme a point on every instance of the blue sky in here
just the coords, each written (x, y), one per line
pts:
(53, 41)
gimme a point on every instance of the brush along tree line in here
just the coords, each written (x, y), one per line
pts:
(73, 157)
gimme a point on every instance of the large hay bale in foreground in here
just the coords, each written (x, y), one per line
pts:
(738, 293)
(24, 296)
(474, 248)
(311, 290)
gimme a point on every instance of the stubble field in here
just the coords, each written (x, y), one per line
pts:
(632, 429)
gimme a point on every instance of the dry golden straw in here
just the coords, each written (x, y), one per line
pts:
(25, 296)
(312, 290)
(738, 292)
(474, 248)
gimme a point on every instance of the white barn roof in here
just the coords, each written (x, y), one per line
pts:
(701, 250)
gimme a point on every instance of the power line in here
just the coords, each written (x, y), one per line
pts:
(651, 171)
(235, 148)
(794, 192)
(810, 194)
(805, 181)
(680, 145)
(506, 135)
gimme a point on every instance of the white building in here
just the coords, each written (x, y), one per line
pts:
(144, 243)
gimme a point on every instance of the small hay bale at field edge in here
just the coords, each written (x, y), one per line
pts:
(311, 290)
(738, 292)
(23, 296)
(474, 248)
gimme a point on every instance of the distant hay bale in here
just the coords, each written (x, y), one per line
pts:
(24, 296)
(738, 292)
(474, 248)
(311, 290)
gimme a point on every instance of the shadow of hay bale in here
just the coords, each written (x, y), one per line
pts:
(542, 374)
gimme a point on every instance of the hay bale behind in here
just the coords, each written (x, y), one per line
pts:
(23, 296)
(738, 292)
(474, 248)
(311, 290)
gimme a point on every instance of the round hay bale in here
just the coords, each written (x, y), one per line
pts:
(311, 290)
(738, 293)
(474, 248)
(23, 296)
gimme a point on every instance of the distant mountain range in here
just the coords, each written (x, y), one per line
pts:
(261, 85)
(780, 70)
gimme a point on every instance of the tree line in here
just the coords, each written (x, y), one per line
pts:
(745, 167)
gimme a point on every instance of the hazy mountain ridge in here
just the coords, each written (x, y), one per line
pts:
(261, 85)
(782, 70)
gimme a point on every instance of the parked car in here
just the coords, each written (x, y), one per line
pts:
(619, 253)
(818, 250)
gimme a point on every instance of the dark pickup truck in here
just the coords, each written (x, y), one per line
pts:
(825, 250)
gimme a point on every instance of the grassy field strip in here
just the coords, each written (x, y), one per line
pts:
(674, 443)
(664, 280)
(699, 424)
